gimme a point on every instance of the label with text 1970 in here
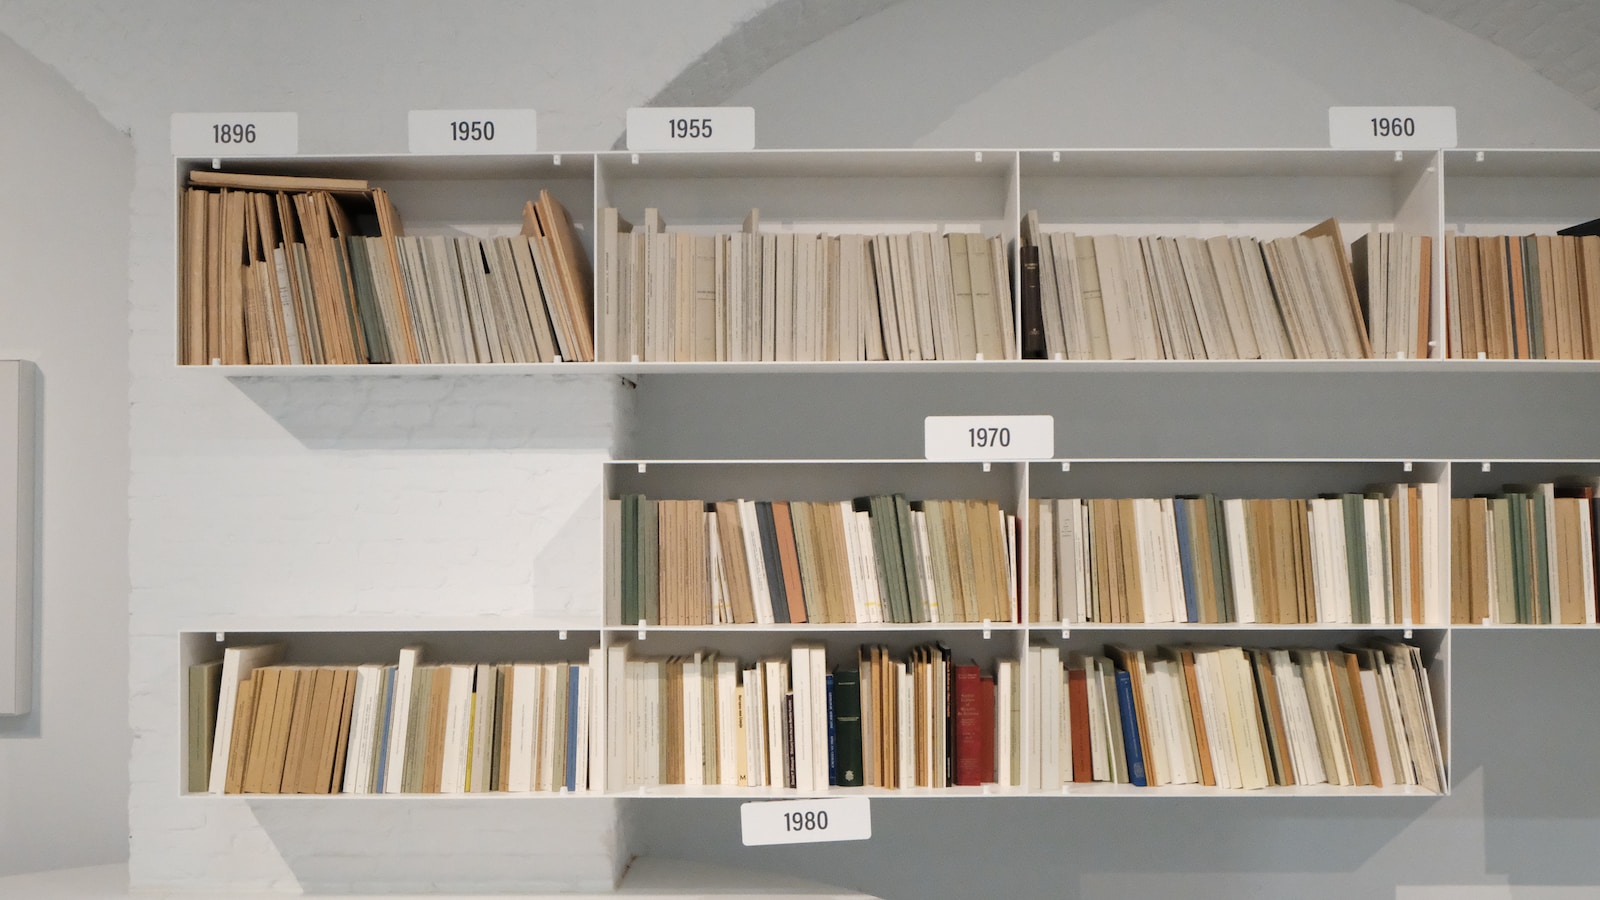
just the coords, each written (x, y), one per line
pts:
(484, 132)
(989, 438)
(692, 128)
(1392, 127)
(225, 134)
(805, 821)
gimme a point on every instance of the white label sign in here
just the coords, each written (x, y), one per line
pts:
(989, 438)
(806, 821)
(692, 128)
(474, 131)
(1391, 127)
(235, 134)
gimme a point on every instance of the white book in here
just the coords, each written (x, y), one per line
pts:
(1239, 568)
(755, 723)
(860, 602)
(1172, 559)
(819, 716)
(615, 774)
(399, 719)
(1151, 571)
(1303, 752)
(1048, 727)
(1402, 594)
(1046, 563)
(1158, 768)
(589, 714)
(1376, 720)
(237, 664)
(1435, 594)
(905, 711)
(1065, 774)
(721, 606)
(457, 728)
(1321, 691)
(1033, 704)
(1406, 772)
(760, 592)
(485, 689)
(1099, 740)
(1256, 773)
(1214, 712)
(358, 750)
(693, 725)
(777, 687)
(869, 566)
(527, 695)
(1339, 563)
(728, 717)
(1586, 534)
(1372, 533)
(1069, 560)
(1182, 752)
(804, 746)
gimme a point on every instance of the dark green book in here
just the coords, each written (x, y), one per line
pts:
(649, 582)
(1539, 549)
(1530, 291)
(847, 727)
(366, 300)
(1221, 568)
(890, 590)
(1520, 557)
(628, 562)
(908, 559)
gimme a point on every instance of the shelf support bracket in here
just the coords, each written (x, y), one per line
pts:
(977, 156)
(986, 467)
(1066, 467)
(222, 636)
(642, 467)
(1406, 466)
(1066, 631)
(1055, 156)
(641, 630)
(1399, 156)
(216, 163)
(1487, 465)
(636, 159)
(562, 634)
(987, 629)
(557, 159)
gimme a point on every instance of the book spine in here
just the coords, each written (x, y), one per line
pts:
(1130, 729)
(968, 717)
(833, 746)
(1033, 343)
(788, 734)
(847, 727)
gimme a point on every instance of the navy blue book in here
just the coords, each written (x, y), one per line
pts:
(1191, 585)
(833, 748)
(572, 728)
(1130, 729)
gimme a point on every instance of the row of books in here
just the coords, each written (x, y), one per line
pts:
(1523, 297)
(875, 559)
(782, 296)
(789, 722)
(1394, 281)
(1233, 717)
(280, 270)
(257, 726)
(1525, 556)
(1125, 297)
(1367, 558)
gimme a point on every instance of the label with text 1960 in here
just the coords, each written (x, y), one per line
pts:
(805, 821)
(692, 128)
(989, 438)
(225, 134)
(1392, 127)
(484, 132)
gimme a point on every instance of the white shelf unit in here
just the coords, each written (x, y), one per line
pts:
(858, 417)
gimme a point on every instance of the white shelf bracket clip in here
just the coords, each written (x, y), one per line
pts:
(1399, 156)
(978, 356)
(641, 630)
(222, 636)
(1057, 356)
(216, 163)
(216, 360)
(1482, 355)
(1479, 157)
(636, 159)
(642, 467)
(1406, 466)
(1066, 631)
(977, 156)
(1066, 467)
(562, 634)
(986, 467)
(987, 629)
(557, 161)
(1487, 465)
(1399, 354)
(1408, 633)
(1055, 156)
(556, 358)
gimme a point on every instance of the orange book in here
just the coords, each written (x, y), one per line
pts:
(789, 560)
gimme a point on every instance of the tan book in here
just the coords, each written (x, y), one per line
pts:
(1589, 288)
(312, 691)
(986, 311)
(279, 731)
(438, 710)
(260, 731)
(1353, 701)
(244, 713)
(1197, 714)
(789, 561)
(1461, 549)
(214, 178)
(193, 349)
(337, 735)
(734, 562)
(1354, 326)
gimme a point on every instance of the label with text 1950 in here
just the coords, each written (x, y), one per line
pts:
(692, 128)
(989, 438)
(486, 132)
(805, 821)
(1392, 127)
(225, 134)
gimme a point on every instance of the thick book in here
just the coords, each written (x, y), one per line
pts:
(205, 680)
(1033, 342)
(967, 714)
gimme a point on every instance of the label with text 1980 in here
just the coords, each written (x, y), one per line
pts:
(805, 821)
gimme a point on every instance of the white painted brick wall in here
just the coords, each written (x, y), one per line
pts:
(369, 497)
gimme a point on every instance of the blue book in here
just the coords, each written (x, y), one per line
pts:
(388, 717)
(572, 728)
(1130, 729)
(833, 750)
(1191, 586)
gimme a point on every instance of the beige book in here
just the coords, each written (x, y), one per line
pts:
(1121, 332)
(966, 314)
(986, 314)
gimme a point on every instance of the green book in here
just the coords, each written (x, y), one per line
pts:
(1520, 557)
(1221, 569)
(915, 608)
(1530, 290)
(411, 778)
(847, 727)
(813, 581)
(205, 684)
(891, 591)
(1539, 550)
(366, 300)
(1355, 556)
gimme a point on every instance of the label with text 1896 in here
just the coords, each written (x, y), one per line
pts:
(235, 134)
(805, 821)
(484, 132)
(1392, 127)
(989, 438)
(692, 128)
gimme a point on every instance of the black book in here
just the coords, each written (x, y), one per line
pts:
(1033, 344)
(774, 565)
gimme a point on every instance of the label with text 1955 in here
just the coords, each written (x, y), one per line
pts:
(692, 128)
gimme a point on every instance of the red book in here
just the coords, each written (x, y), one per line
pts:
(986, 727)
(967, 685)
(1078, 699)
(790, 561)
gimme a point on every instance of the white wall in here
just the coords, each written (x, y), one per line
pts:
(65, 176)
(240, 490)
